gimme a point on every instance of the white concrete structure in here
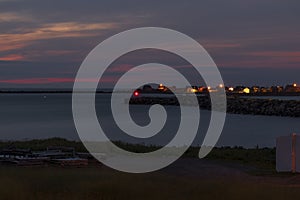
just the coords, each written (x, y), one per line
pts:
(288, 153)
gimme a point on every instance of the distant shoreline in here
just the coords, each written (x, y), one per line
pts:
(47, 91)
(109, 92)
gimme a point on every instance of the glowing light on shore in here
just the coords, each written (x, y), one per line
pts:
(194, 90)
(246, 90)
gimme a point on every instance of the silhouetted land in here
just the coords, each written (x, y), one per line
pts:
(262, 158)
(67, 91)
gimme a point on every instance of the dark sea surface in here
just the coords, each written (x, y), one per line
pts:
(35, 116)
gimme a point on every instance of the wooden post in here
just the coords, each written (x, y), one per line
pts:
(294, 152)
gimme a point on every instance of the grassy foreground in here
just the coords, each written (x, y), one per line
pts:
(99, 182)
(103, 183)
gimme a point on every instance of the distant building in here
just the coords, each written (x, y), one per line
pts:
(255, 89)
(292, 88)
(192, 89)
(229, 89)
(162, 88)
(276, 89)
(246, 90)
(147, 88)
(239, 89)
(265, 90)
(202, 89)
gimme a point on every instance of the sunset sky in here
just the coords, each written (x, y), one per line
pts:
(42, 43)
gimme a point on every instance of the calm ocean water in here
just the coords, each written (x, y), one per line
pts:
(31, 116)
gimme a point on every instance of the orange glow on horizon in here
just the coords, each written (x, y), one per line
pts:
(12, 57)
(56, 80)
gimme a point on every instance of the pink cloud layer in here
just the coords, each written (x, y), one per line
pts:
(53, 80)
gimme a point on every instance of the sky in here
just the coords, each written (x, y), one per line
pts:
(43, 43)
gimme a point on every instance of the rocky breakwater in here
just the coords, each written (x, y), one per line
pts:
(290, 108)
(235, 105)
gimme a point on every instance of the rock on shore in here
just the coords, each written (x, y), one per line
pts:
(235, 105)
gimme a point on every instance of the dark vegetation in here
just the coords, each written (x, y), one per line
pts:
(263, 158)
(100, 182)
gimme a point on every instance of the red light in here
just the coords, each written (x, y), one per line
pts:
(136, 93)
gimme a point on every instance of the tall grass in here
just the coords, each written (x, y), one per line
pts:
(263, 158)
(103, 183)
(96, 182)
